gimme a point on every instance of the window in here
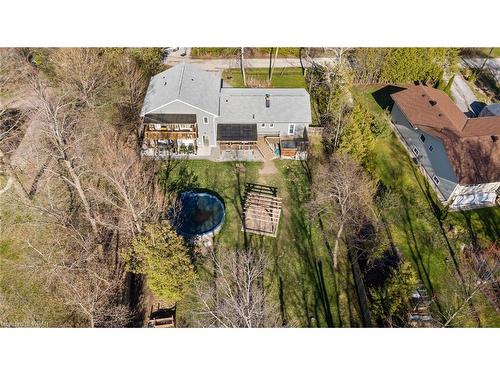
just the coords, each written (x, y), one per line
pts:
(291, 129)
(436, 180)
(263, 126)
(422, 138)
(271, 126)
(205, 120)
(431, 148)
(415, 151)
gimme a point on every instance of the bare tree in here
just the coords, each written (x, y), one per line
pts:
(237, 297)
(84, 72)
(59, 128)
(127, 185)
(329, 85)
(342, 192)
(88, 284)
(480, 275)
(132, 84)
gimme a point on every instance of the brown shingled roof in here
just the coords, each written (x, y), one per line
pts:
(472, 145)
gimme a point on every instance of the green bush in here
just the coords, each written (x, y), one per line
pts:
(161, 255)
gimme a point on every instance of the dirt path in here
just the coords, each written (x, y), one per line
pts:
(268, 169)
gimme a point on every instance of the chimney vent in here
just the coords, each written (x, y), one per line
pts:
(268, 101)
(433, 102)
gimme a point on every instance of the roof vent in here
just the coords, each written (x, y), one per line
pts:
(440, 114)
(268, 101)
(253, 116)
(165, 83)
(494, 138)
(423, 95)
(433, 102)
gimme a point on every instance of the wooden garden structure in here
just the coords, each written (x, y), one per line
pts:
(261, 209)
(161, 316)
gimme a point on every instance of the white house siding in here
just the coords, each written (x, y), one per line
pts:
(491, 187)
(435, 162)
(203, 129)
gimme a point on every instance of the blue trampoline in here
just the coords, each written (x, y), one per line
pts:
(201, 213)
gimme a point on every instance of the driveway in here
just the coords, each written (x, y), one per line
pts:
(464, 97)
(493, 65)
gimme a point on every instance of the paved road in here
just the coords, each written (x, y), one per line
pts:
(464, 97)
(493, 65)
(231, 63)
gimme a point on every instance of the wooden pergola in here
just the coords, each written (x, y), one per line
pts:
(261, 209)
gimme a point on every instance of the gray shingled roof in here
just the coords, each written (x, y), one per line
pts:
(249, 105)
(183, 82)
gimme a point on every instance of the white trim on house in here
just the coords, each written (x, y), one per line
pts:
(181, 101)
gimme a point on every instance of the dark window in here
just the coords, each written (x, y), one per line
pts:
(415, 150)
(422, 137)
(431, 148)
(436, 180)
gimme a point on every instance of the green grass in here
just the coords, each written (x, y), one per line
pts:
(299, 260)
(424, 233)
(282, 77)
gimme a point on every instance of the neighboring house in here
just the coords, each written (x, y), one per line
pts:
(460, 156)
(191, 111)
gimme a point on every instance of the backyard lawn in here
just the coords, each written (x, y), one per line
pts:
(423, 230)
(299, 279)
(282, 77)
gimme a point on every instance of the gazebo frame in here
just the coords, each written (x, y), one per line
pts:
(261, 209)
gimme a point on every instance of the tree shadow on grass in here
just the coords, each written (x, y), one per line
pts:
(440, 213)
(304, 284)
(176, 176)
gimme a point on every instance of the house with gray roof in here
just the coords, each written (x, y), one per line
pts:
(189, 111)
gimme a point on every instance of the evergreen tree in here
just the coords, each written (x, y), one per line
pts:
(357, 138)
(440, 81)
(161, 255)
(447, 89)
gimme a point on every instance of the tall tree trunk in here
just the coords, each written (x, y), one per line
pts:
(242, 66)
(75, 180)
(301, 62)
(269, 76)
(272, 67)
(335, 254)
